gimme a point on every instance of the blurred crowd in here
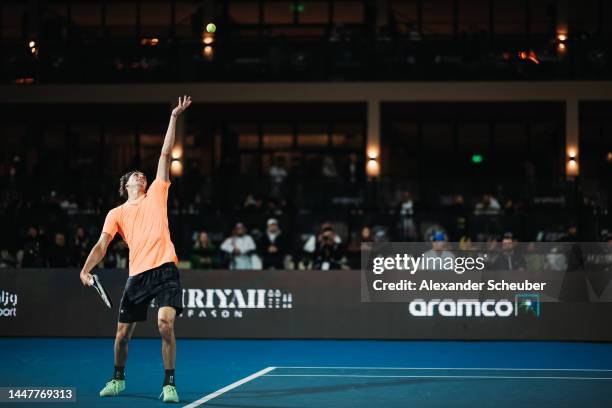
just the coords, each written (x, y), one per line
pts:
(57, 232)
(287, 224)
(270, 249)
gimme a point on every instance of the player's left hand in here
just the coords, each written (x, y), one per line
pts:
(182, 105)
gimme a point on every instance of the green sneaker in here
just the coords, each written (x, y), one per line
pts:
(113, 388)
(169, 394)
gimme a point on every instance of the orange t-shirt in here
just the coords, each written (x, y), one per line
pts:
(143, 225)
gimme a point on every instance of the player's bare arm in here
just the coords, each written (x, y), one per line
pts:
(163, 166)
(96, 255)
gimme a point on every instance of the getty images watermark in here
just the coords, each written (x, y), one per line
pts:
(500, 278)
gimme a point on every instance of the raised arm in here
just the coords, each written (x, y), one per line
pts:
(95, 256)
(163, 166)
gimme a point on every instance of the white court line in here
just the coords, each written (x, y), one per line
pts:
(229, 387)
(453, 368)
(441, 376)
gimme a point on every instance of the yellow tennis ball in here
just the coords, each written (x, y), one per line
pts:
(211, 28)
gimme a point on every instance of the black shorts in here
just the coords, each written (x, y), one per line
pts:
(161, 283)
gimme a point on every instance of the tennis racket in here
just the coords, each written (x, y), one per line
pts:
(97, 285)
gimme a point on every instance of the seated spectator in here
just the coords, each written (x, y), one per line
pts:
(7, 260)
(431, 258)
(328, 254)
(508, 259)
(203, 253)
(466, 244)
(571, 235)
(240, 248)
(535, 260)
(32, 254)
(488, 206)
(311, 243)
(273, 247)
(59, 255)
(365, 235)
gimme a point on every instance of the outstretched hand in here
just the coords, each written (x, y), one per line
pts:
(182, 105)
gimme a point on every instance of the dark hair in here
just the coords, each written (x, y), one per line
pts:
(123, 181)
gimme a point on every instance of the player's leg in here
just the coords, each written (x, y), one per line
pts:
(122, 338)
(133, 308)
(165, 322)
(170, 301)
(117, 382)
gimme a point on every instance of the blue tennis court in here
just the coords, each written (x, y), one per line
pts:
(423, 387)
(323, 373)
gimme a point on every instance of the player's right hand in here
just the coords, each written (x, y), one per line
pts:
(86, 278)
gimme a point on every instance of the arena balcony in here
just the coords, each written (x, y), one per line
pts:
(304, 59)
(268, 41)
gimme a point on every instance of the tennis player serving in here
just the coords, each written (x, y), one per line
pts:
(142, 222)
